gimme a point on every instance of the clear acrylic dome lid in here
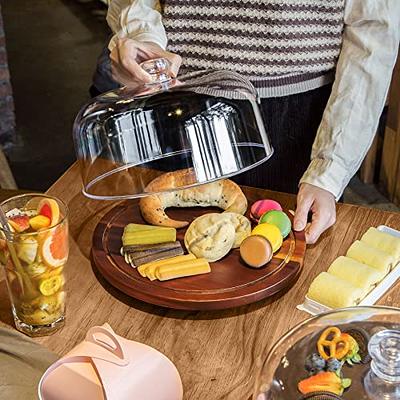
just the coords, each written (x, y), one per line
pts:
(210, 126)
(280, 369)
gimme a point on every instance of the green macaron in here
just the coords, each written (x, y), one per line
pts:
(279, 219)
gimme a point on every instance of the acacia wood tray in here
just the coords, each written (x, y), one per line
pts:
(229, 284)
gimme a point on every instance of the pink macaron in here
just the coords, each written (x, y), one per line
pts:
(260, 207)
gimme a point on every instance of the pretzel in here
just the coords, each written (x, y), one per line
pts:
(331, 338)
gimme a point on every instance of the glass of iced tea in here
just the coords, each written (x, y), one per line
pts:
(33, 253)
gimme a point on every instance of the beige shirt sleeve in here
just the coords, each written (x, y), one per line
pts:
(370, 44)
(136, 19)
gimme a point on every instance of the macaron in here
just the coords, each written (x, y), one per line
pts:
(279, 219)
(271, 233)
(256, 251)
(260, 207)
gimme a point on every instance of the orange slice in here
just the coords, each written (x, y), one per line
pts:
(49, 208)
(54, 249)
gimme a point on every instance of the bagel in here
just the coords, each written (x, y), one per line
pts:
(224, 194)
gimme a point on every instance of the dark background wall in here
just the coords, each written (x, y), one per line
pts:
(7, 117)
(52, 49)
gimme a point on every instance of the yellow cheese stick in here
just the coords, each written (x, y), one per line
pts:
(140, 228)
(375, 258)
(179, 270)
(147, 270)
(356, 273)
(383, 241)
(151, 236)
(334, 292)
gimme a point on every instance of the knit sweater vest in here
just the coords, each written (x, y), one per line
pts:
(282, 46)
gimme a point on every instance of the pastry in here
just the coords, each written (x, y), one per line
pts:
(383, 241)
(260, 207)
(256, 251)
(356, 273)
(375, 258)
(210, 236)
(224, 194)
(279, 219)
(182, 269)
(271, 233)
(334, 292)
(241, 224)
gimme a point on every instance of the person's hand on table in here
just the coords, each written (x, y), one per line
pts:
(129, 53)
(321, 204)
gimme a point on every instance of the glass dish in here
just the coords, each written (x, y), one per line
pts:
(283, 367)
(210, 125)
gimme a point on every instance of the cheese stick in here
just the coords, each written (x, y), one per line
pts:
(383, 241)
(179, 270)
(151, 236)
(356, 273)
(334, 292)
(147, 270)
(375, 258)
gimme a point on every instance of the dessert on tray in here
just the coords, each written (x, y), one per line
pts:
(382, 241)
(368, 263)
(356, 273)
(372, 256)
(325, 367)
(157, 253)
(335, 292)
(347, 354)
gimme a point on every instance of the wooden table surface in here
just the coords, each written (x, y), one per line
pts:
(216, 352)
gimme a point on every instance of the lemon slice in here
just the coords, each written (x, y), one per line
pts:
(51, 285)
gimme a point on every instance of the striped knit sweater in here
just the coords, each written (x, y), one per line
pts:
(283, 46)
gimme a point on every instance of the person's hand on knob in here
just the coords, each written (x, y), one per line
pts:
(128, 54)
(322, 206)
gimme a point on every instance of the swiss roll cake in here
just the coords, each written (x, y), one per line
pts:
(371, 256)
(382, 241)
(334, 292)
(356, 273)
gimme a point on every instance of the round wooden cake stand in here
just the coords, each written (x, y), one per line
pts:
(229, 284)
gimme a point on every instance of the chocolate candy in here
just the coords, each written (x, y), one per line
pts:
(279, 219)
(260, 207)
(271, 233)
(362, 337)
(256, 251)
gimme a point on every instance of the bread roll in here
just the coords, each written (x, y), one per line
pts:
(334, 292)
(356, 273)
(382, 241)
(367, 254)
(241, 224)
(210, 236)
(224, 194)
